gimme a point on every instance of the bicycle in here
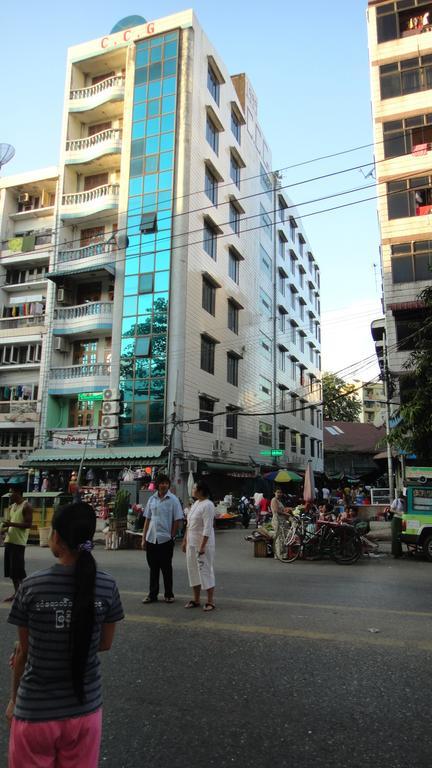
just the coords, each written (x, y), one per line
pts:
(302, 536)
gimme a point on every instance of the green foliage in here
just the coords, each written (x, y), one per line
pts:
(414, 432)
(121, 505)
(340, 404)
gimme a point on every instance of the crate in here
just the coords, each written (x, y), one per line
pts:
(260, 549)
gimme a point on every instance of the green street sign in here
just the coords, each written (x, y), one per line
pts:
(274, 452)
(90, 396)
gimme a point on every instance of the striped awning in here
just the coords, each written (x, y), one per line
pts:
(111, 456)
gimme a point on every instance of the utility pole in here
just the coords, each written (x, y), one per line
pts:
(387, 422)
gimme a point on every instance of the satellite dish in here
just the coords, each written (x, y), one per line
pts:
(7, 152)
(127, 23)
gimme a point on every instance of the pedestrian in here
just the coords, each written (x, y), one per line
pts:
(18, 524)
(163, 515)
(397, 508)
(199, 546)
(278, 510)
(325, 493)
(65, 615)
(264, 511)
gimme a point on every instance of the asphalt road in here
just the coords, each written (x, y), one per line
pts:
(303, 664)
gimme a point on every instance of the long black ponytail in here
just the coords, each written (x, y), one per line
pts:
(76, 525)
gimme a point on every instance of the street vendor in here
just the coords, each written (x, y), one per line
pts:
(18, 524)
(277, 508)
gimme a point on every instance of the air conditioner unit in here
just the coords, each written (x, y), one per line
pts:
(109, 422)
(61, 344)
(111, 406)
(111, 394)
(109, 435)
(24, 197)
(64, 296)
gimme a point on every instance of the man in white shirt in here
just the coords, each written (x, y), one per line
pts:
(325, 493)
(398, 508)
(163, 515)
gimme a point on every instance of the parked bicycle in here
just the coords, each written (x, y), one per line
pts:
(302, 536)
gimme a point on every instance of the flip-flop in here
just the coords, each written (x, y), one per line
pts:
(192, 604)
(169, 599)
(209, 607)
(149, 600)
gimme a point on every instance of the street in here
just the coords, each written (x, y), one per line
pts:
(305, 664)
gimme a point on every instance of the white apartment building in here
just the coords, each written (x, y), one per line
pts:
(372, 398)
(27, 213)
(182, 275)
(400, 50)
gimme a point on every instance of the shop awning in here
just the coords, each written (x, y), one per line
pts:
(60, 274)
(111, 457)
(227, 469)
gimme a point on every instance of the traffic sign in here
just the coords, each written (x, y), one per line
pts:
(90, 396)
(274, 452)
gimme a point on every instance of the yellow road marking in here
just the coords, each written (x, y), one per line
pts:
(290, 604)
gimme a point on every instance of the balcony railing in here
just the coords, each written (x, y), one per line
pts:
(17, 407)
(80, 371)
(81, 198)
(7, 323)
(110, 135)
(14, 452)
(94, 90)
(92, 309)
(86, 252)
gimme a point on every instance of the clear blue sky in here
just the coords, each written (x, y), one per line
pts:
(308, 64)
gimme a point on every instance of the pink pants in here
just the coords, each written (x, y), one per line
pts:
(56, 743)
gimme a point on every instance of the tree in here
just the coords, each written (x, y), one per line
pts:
(340, 404)
(413, 434)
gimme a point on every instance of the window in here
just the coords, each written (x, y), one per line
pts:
(145, 283)
(210, 239)
(302, 341)
(302, 304)
(294, 369)
(310, 260)
(265, 434)
(293, 259)
(312, 447)
(211, 186)
(233, 265)
(301, 276)
(282, 358)
(294, 442)
(282, 320)
(411, 262)
(410, 197)
(282, 281)
(408, 76)
(302, 444)
(282, 207)
(265, 263)
(293, 297)
(281, 245)
(302, 243)
(407, 327)
(266, 222)
(233, 317)
(208, 296)
(212, 135)
(234, 170)
(282, 437)
(206, 409)
(294, 405)
(143, 346)
(293, 228)
(213, 84)
(266, 304)
(235, 126)
(293, 332)
(265, 346)
(266, 184)
(231, 423)
(312, 417)
(302, 410)
(265, 387)
(234, 218)
(208, 347)
(413, 134)
(283, 393)
(232, 369)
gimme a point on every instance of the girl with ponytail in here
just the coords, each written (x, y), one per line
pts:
(65, 615)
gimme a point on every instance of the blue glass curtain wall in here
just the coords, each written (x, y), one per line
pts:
(147, 267)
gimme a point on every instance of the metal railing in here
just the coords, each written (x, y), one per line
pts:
(21, 322)
(81, 198)
(80, 371)
(15, 451)
(86, 252)
(91, 309)
(93, 90)
(76, 145)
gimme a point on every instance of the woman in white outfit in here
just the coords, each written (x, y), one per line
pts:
(199, 546)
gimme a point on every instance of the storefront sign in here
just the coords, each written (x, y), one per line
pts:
(274, 452)
(128, 35)
(75, 439)
(90, 397)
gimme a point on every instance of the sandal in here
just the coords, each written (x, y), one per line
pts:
(209, 607)
(192, 604)
(149, 600)
(169, 599)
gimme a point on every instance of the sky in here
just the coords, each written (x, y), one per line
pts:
(308, 65)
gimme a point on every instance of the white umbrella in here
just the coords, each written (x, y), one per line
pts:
(190, 484)
(309, 484)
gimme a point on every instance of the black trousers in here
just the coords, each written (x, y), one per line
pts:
(159, 558)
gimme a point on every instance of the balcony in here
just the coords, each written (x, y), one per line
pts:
(77, 205)
(98, 256)
(18, 413)
(85, 150)
(83, 99)
(27, 321)
(72, 379)
(95, 315)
